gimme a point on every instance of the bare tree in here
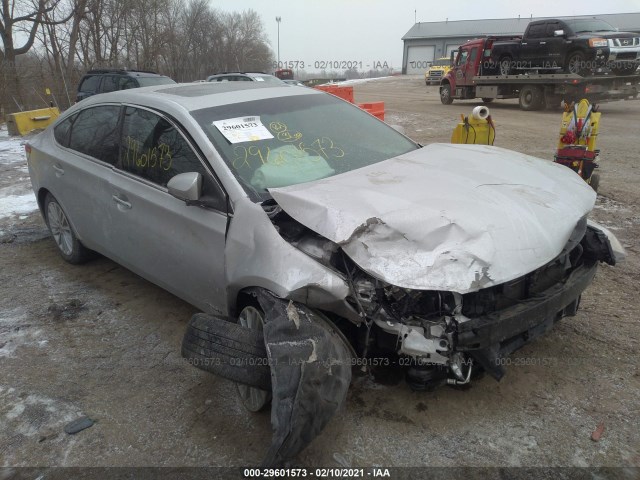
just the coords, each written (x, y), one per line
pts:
(185, 39)
(19, 16)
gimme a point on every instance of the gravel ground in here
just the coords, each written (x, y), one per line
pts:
(98, 340)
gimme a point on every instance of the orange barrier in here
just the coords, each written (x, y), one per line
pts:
(376, 109)
(345, 93)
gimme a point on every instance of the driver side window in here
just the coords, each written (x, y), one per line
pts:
(462, 57)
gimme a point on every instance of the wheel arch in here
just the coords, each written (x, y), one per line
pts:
(40, 197)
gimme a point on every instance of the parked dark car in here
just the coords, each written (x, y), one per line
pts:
(573, 45)
(104, 81)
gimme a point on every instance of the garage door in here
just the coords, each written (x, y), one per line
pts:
(419, 58)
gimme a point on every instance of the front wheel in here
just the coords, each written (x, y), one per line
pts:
(445, 94)
(254, 399)
(70, 248)
(576, 64)
(487, 99)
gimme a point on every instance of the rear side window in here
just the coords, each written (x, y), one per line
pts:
(95, 133)
(154, 149)
(62, 130)
(537, 31)
(110, 83)
(90, 84)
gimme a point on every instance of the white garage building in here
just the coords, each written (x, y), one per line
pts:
(427, 41)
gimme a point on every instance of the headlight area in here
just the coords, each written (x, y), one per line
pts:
(410, 329)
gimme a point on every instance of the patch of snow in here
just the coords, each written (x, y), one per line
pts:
(356, 81)
(11, 148)
(17, 205)
(15, 332)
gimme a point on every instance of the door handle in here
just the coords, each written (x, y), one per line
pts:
(543, 43)
(59, 170)
(121, 202)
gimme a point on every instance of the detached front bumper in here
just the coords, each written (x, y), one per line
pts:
(491, 337)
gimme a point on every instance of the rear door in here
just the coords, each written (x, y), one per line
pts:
(533, 50)
(176, 246)
(86, 148)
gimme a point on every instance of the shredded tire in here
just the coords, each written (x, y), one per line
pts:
(228, 350)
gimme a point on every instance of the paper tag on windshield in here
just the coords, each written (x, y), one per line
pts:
(243, 129)
(258, 79)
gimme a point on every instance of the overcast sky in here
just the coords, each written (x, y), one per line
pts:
(370, 30)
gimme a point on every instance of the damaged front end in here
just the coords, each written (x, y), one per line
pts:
(443, 337)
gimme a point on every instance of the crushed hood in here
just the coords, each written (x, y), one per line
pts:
(446, 217)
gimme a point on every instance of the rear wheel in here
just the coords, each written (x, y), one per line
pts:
(70, 248)
(254, 399)
(506, 66)
(445, 94)
(531, 98)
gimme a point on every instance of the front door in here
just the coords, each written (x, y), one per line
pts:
(179, 247)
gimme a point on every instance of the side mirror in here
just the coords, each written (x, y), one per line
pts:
(558, 33)
(186, 186)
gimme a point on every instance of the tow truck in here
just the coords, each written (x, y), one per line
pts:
(472, 75)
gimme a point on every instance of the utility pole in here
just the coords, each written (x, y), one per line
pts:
(278, 20)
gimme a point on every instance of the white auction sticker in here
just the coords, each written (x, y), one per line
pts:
(243, 129)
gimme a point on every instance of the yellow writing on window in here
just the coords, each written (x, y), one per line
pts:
(322, 147)
(282, 132)
(153, 157)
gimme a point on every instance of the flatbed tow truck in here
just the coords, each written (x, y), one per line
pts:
(470, 78)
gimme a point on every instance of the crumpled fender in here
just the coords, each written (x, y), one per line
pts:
(310, 374)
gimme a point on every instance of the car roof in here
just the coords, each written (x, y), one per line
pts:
(195, 96)
(132, 73)
(238, 73)
(242, 74)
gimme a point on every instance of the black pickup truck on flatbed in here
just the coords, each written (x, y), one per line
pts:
(470, 77)
(579, 46)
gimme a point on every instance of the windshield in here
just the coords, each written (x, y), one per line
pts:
(152, 81)
(443, 62)
(589, 25)
(285, 141)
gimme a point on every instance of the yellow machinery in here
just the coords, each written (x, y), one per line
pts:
(22, 123)
(475, 129)
(577, 142)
